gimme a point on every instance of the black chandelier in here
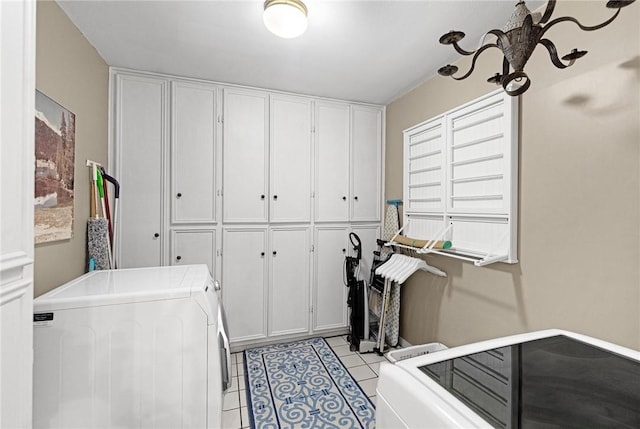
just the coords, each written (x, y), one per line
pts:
(517, 41)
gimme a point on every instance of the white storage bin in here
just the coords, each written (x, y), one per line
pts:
(414, 351)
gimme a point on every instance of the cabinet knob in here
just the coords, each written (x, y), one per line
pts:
(178, 257)
(261, 253)
(262, 197)
(344, 250)
(274, 253)
(275, 197)
(355, 198)
(156, 235)
(344, 198)
(179, 195)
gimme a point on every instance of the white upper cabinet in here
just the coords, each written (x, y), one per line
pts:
(193, 153)
(366, 163)
(245, 156)
(332, 162)
(140, 157)
(290, 161)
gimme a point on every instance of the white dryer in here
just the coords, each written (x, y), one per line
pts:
(131, 348)
(550, 379)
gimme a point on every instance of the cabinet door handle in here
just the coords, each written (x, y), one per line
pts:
(178, 257)
(275, 197)
(262, 197)
(261, 253)
(344, 198)
(156, 235)
(355, 198)
(274, 253)
(179, 195)
(344, 250)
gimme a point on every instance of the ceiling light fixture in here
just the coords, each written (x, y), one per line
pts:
(517, 41)
(285, 18)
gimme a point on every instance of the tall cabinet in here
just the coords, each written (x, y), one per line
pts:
(140, 157)
(165, 156)
(262, 186)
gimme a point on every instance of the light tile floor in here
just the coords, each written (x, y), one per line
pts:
(363, 367)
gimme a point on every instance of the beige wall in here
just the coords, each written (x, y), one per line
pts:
(579, 224)
(70, 71)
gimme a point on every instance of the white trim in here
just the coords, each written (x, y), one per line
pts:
(122, 70)
(13, 260)
(13, 291)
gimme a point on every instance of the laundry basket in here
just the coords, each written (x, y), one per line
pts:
(414, 351)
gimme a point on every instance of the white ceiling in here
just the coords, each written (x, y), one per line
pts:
(368, 51)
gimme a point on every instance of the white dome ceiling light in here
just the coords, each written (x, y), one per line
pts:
(285, 18)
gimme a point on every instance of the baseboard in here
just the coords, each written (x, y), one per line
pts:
(240, 346)
(404, 343)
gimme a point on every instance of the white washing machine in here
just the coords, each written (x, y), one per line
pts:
(131, 348)
(550, 379)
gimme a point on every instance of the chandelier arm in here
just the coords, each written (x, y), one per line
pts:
(582, 27)
(553, 53)
(506, 66)
(499, 34)
(460, 50)
(551, 4)
(473, 61)
(502, 37)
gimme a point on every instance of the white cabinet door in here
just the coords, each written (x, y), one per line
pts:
(193, 154)
(289, 280)
(194, 246)
(290, 166)
(140, 135)
(368, 235)
(244, 282)
(17, 86)
(366, 163)
(245, 156)
(330, 292)
(332, 162)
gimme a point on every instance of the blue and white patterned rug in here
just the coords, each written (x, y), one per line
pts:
(303, 385)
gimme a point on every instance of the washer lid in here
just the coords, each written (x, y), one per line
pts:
(110, 287)
(549, 382)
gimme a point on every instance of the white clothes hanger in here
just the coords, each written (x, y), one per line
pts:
(402, 264)
(400, 267)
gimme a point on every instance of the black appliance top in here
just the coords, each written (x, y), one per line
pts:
(555, 382)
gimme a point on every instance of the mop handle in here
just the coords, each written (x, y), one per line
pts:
(100, 187)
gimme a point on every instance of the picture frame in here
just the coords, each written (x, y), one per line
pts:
(54, 170)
